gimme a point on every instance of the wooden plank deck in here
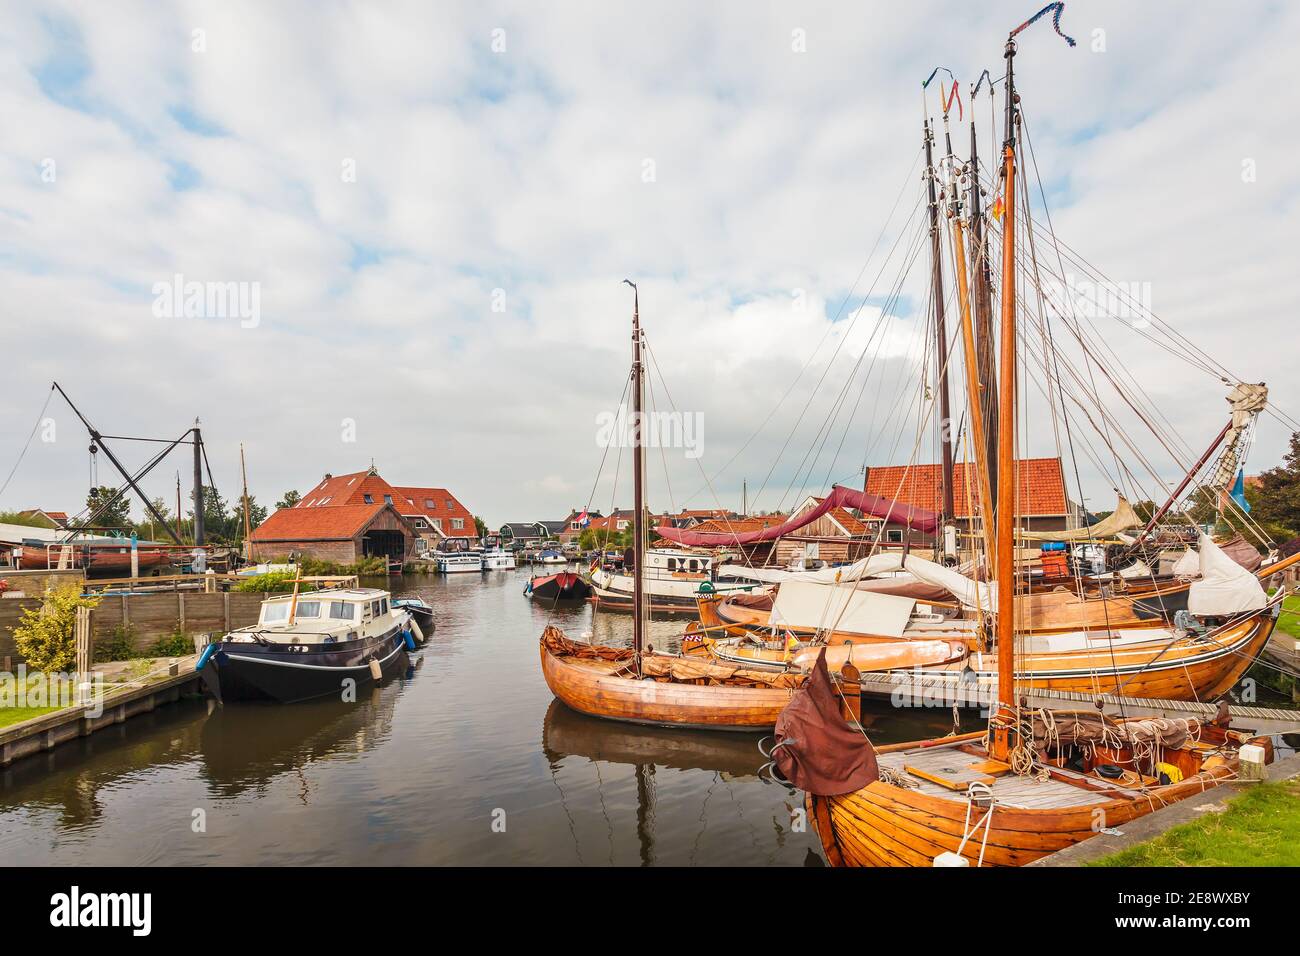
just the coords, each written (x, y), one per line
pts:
(1008, 789)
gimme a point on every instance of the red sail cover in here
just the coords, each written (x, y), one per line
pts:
(921, 519)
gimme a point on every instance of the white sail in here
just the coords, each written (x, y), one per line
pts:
(1225, 587)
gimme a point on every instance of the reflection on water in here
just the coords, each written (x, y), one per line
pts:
(419, 770)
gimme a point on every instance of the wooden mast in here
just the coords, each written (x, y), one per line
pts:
(941, 340)
(638, 469)
(1005, 518)
(974, 382)
(248, 531)
(988, 366)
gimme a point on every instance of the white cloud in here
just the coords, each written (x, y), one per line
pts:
(523, 171)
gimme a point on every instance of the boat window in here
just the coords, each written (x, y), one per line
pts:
(672, 564)
(375, 608)
(694, 565)
(308, 609)
(383, 606)
(343, 611)
(275, 612)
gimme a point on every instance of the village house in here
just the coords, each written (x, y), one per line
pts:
(526, 534)
(345, 515)
(48, 519)
(690, 518)
(1042, 502)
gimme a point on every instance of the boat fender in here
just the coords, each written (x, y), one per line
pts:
(410, 639)
(376, 671)
(205, 656)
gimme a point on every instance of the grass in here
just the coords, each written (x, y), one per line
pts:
(1259, 828)
(1289, 621)
(10, 715)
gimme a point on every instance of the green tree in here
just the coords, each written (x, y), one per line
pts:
(27, 521)
(46, 635)
(220, 522)
(288, 500)
(480, 526)
(1275, 501)
(115, 515)
(151, 529)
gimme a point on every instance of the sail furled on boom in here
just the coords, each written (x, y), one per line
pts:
(1123, 518)
(1247, 402)
(921, 519)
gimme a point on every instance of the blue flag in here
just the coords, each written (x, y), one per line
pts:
(1239, 491)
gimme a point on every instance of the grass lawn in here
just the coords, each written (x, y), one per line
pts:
(16, 715)
(1289, 620)
(1259, 828)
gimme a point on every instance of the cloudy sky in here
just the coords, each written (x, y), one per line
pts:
(436, 205)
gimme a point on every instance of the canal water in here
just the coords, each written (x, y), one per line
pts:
(467, 759)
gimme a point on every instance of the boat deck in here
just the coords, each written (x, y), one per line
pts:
(1008, 789)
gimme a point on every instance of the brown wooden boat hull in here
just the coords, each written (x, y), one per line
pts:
(1187, 670)
(887, 825)
(710, 707)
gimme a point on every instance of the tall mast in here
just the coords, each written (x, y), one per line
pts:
(638, 495)
(248, 531)
(974, 382)
(987, 361)
(198, 485)
(941, 335)
(1005, 519)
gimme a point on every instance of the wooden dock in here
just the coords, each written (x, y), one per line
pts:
(939, 693)
(58, 727)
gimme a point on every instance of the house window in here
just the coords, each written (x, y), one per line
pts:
(622, 526)
(457, 524)
(420, 523)
(451, 505)
(430, 503)
(813, 549)
(573, 526)
(437, 523)
(894, 535)
(388, 499)
(368, 499)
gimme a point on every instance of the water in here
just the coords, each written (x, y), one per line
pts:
(418, 770)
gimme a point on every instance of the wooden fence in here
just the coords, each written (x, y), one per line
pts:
(150, 616)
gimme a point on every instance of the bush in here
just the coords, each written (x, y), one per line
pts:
(175, 644)
(118, 646)
(46, 637)
(267, 583)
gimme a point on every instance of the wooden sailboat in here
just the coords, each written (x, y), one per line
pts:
(1038, 780)
(638, 685)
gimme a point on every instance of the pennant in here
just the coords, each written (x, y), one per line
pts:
(998, 209)
(1239, 491)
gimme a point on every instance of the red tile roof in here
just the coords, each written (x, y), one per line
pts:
(740, 525)
(415, 501)
(331, 523)
(352, 489)
(1042, 486)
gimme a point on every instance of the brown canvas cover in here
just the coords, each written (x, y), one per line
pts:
(1243, 552)
(816, 749)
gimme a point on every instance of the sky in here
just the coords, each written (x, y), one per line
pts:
(424, 214)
